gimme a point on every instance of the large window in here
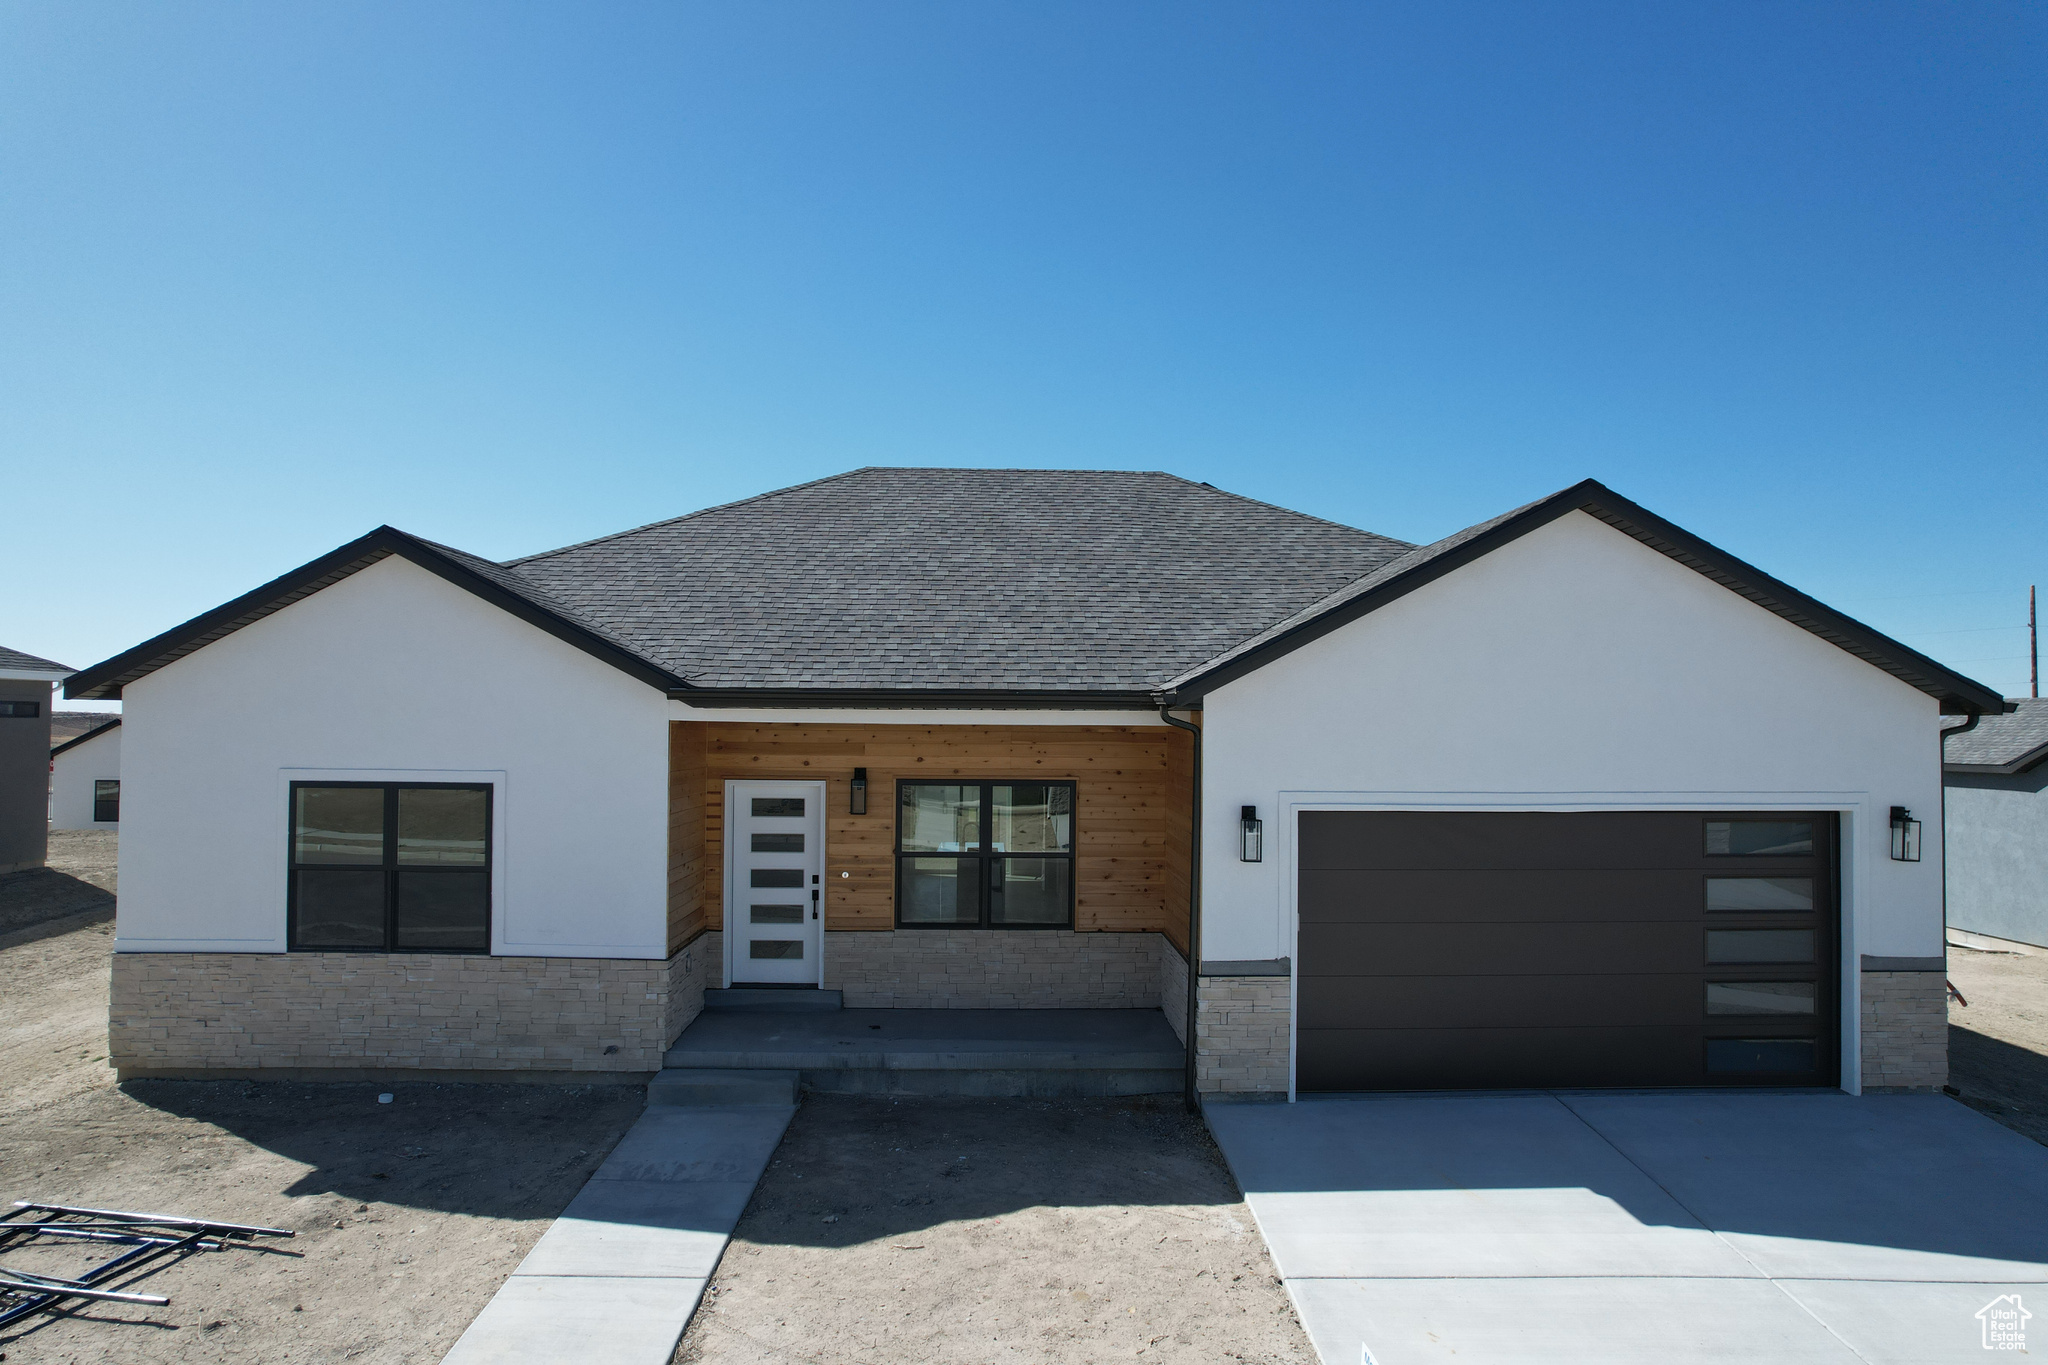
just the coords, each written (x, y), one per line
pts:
(377, 867)
(986, 855)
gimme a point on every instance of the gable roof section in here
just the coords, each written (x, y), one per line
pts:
(2005, 744)
(15, 664)
(94, 733)
(1051, 587)
(1956, 693)
(492, 582)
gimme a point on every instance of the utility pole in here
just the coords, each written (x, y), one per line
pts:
(2033, 648)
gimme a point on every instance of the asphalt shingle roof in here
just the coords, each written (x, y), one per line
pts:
(2001, 741)
(957, 578)
(14, 658)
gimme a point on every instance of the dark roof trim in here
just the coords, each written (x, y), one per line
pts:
(94, 733)
(903, 698)
(104, 681)
(1957, 694)
(2032, 758)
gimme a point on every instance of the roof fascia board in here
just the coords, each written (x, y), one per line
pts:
(1958, 695)
(32, 675)
(798, 698)
(2032, 758)
(105, 681)
(94, 733)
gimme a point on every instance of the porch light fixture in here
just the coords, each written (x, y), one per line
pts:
(858, 803)
(1905, 836)
(1251, 835)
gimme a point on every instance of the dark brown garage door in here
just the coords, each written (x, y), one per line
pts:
(1637, 948)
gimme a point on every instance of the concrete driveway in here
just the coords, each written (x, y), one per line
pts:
(1665, 1227)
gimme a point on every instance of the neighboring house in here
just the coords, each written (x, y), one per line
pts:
(1568, 798)
(25, 684)
(85, 779)
(1996, 775)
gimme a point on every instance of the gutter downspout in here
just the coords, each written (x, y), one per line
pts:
(1194, 897)
(1962, 729)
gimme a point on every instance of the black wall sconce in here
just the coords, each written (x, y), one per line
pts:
(858, 804)
(1251, 835)
(1905, 836)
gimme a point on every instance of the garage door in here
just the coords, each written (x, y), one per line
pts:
(1635, 948)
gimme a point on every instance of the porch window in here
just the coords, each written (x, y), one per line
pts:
(383, 867)
(987, 855)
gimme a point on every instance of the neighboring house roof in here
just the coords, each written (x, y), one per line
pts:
(2000, 744)
(71, 724)
(15, 664)
(987, 586)
(91, 734)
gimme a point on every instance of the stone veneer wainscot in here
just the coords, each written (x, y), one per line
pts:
(192, 1014)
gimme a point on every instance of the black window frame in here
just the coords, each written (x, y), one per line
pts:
(102, 802)
(390, 867)
(986, 855)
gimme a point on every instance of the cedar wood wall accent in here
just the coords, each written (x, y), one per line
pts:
(1131, 822)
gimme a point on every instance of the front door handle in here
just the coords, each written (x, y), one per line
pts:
(814, 902)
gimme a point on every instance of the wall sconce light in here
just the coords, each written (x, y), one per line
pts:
(1251, 835)
(1905, 836)
(858, 805)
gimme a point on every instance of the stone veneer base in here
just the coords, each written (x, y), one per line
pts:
(993, 969)
(1905, 1030)
(290, 1015)
(1241, 1030)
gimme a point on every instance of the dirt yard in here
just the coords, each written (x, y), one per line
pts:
(409, 1215)
(1998, 1044)
(957, 1230)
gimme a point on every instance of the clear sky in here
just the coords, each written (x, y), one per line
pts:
(512, 275)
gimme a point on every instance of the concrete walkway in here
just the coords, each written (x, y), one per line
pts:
(617, 1276)
(1648, 1227)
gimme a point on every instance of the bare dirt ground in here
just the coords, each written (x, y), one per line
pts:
(409, 1215)
(981, 1231)
(1998, 1044)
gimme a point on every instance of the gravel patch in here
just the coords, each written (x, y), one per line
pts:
(1998, 1043)
(965, 1230)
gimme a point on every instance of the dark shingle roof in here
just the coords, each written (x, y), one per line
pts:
(987, 586)
(2008, 743)
(29, 663)
(957, 579)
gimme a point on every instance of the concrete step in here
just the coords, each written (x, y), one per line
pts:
(1040, 1054)
(769, 998)
(707, 1086)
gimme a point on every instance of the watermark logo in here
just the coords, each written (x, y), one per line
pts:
(2005, 1323)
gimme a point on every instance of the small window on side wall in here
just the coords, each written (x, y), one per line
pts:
(378, 867)
(21, 710)
(106, 801)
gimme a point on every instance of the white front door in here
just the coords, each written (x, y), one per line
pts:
(774, 882)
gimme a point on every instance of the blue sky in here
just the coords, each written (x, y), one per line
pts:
(510, 276)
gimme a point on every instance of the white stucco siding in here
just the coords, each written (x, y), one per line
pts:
(389, 674)
(1573, 668)
(72, 774)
